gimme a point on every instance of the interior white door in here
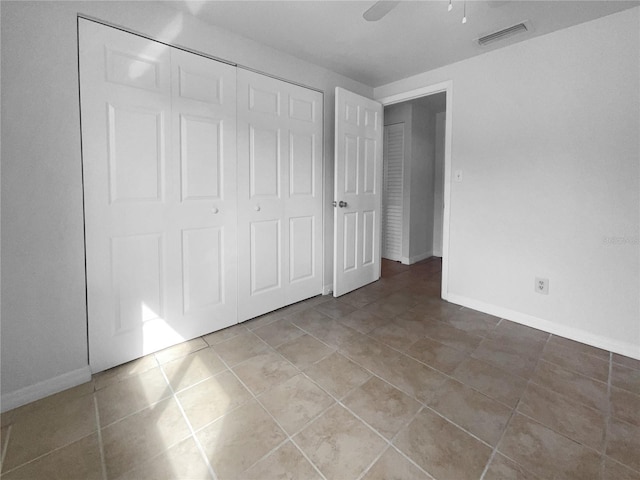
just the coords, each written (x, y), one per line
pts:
(393, 196)
(279, 193)
(158, 144)
(358, 191)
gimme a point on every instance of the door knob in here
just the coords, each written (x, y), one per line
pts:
(214, 210)
(342, 204)
(257, 208)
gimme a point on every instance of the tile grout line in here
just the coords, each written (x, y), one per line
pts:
(3, 454)
(189, 426)
(99, 433)
(289, 437)
(607, 424)
(514, 411)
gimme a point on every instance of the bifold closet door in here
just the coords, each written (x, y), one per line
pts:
(279, 193)
(159, 149)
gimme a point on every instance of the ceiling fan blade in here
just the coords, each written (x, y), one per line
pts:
(379, 10)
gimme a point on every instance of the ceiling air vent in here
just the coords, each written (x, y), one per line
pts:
(505, 33)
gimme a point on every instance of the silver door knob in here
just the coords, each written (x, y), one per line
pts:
(214, 210)
(257, 208)
(342, 204)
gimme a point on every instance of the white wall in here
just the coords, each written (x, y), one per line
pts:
(422, 177)
(546, 133)
(44, 345)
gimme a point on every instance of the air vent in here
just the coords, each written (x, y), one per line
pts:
(502, 34)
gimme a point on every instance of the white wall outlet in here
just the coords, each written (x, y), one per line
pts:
(542, 285)
(457, 175)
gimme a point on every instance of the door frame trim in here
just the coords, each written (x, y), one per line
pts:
(447, 87)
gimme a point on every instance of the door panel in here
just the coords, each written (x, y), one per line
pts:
(279, 193)
(358, 177)
(393, 191)
(158, 131)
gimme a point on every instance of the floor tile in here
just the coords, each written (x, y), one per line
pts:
(363, 321)
(317, 300)
(304, 351)
(339, 444)
(180, 350)
(394, 466)
(128, 396)
(471, 321)
(193, 368)
(382, 406)
(183, 460)
(507, 356)
(265, 371)
(471, 410)
(581, 363)
(225, 334)
(492, 381)
(278, 332)
(295, 402)
(122, 372)
(625, 377)
(228, 447)
(625, 405)
(208, 400)
(583, 424)
(287, 462)
(79, 460)
(440, 448)
(306, 319)
(512, 331)
(240, 348)
(368, 353)
(394, 334)
(623, 443)
(386, 309)
(331, 332)
(435, 308)
(616, 471)
(626, 361)
(454, 337)
(47, 426)
(358, 298)
(547, 453)
(337, 374)
(578, 347)
(140, 437)
(586, 390)
(502, 468)
(437, 355)
(411, 376)
(335, 309)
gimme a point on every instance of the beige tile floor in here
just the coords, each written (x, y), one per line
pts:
(387, 382)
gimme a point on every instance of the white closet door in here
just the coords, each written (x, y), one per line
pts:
(158, 143)
(279, 193)
(393, 192)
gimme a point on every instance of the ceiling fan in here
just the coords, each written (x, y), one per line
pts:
(379, 10)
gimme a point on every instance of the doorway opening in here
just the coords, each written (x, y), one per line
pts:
(417, 159)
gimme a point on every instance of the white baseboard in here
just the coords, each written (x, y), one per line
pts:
(45, 388)
(623, 348)
(327, 289)
(415, 258)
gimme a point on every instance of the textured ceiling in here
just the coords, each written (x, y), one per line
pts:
(414, 37)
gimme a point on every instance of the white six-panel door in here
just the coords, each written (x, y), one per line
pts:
(279, 193)
(158, 130)
(358, 191)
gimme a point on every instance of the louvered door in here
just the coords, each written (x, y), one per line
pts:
(393, 191)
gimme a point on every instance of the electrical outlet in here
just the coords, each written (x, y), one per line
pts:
(542, 285)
